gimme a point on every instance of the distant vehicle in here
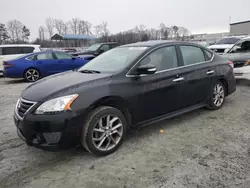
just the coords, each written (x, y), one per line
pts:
(224, 43)
(37, 65)
(11, 51)
(97, 49)
(127, 86)
(69, 50)
(239, 54)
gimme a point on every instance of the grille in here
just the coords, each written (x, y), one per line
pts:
(239, 64)
(219, 50)
(23, 106)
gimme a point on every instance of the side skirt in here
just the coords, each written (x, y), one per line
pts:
(170, 115)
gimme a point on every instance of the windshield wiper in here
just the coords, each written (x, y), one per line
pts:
(90, 71)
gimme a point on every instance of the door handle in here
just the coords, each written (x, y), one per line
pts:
(210, 72)
(178, 79)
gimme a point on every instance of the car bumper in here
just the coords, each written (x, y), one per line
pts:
(50, 131)
(242, 73)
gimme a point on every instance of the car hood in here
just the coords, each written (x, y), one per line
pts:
(61, 84)
(237, 56)
(221, 46)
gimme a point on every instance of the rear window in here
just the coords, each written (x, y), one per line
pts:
(27, 50)
(17, 50)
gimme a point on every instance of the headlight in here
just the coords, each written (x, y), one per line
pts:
(56, 105)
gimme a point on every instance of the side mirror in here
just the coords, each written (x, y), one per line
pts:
(74, 57)
(146, 69)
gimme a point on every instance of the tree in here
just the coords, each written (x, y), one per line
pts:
(50, 26)
(25, 33)
(164, 31)
(102, 30)
(74, 25)
(3, 33)
(41, 32)
(59, 25)
(15, 29)
(183, 32)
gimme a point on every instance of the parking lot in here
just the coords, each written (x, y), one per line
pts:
(199, 149)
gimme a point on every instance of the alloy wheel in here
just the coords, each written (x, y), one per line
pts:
(107, 132)
(218, 95)
(32, 75)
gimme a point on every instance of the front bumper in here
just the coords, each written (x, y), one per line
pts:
(242, 73)
(50, 131)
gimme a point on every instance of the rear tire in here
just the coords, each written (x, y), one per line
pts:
(32, 75)
(104, 131)
(217, 96)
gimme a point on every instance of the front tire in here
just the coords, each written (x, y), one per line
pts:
(32, 75)
(217, 97)
(104, 131)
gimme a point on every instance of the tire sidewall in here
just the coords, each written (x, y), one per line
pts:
(90, 124)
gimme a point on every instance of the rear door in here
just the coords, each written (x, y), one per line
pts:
(46, 63)
(158, 94)
(196, 73)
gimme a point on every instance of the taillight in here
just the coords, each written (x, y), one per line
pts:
(231, 64)
(7, 64)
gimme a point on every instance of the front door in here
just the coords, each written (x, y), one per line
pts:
(197, 73)
(65, 62)
(158, 94)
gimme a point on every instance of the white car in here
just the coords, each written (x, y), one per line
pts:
(239, 54)
(225, 43)
(12, 51)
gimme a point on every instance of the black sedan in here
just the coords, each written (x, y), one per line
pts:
(127, 86)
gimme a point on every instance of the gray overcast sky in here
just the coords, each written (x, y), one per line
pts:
(196, 15)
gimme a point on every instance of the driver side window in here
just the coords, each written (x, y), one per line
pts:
(105, 47)
(63, 56)
(163, 58)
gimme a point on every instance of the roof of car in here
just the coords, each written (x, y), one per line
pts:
(108, 43)
(17, 45)
(155, 43)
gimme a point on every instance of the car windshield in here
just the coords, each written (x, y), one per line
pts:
(113, 60)
(94, 47)
(229, 40)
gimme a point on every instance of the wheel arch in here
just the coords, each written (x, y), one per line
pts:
(115, 102)
(224, 82)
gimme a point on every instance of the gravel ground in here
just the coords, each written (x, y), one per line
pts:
(199, 149)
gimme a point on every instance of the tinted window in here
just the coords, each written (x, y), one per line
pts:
(230, 40)
(44, 56)
(11, 50)
(27, 50)
(208, 54)
(0, 51)
(31, 57)
(105, 47)
(192, 55)
(114, 60)
(162, 59)
(62, 56)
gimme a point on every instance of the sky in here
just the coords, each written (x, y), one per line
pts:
(199, 16)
